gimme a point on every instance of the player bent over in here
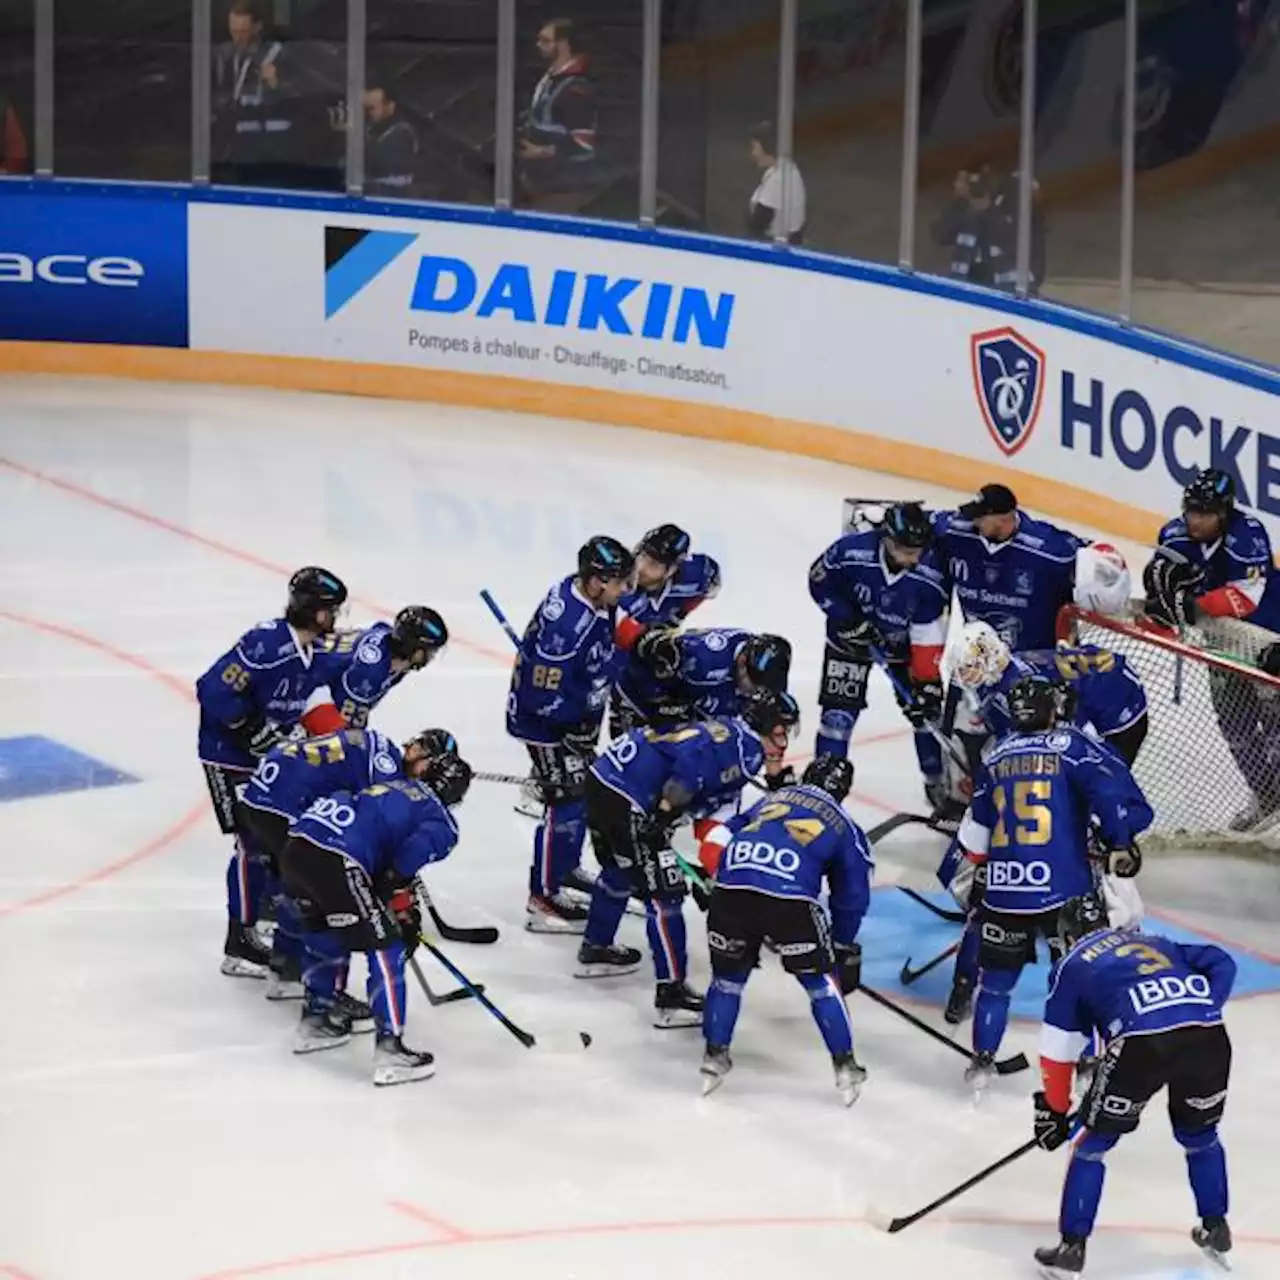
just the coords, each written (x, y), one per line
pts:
(641, 785)
(1028, 832)
(351, 861)
(250, 699)
(288, 780)
(1157, 1004)
(768, 886)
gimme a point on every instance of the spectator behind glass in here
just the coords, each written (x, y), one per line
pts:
(557, 147)
(14, 152)
(391, 145)
(780, 180)
(966, 225)
(245, 73)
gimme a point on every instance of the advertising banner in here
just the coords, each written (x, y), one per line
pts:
(93, 268)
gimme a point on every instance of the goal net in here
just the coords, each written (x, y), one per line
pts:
(1210, 765)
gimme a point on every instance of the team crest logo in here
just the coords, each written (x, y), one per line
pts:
(1008, 379)
(1023, 583)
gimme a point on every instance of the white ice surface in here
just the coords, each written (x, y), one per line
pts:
(153, 1124)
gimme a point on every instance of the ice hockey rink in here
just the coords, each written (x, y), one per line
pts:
(154, 1124)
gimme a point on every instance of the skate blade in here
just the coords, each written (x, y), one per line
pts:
(711, 1081)
(553, 924)
(605, 970)
(319, 1046)
(676, 1019)
(284, 991)
(1218, 1259)
(849, 1094)
(235, 967)
(384, 1076)
(1056, 1273)
(362, 1026)
(528, 810)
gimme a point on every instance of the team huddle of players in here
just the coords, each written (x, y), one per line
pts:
(333, 822)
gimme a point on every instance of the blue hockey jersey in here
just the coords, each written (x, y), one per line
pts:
(787, 844)
(565, 667)
(392, 829)
(290, 777)
(852, 580)
(1108, 694)
(708, 670)
(356, 665)
(265, 675)
(1132, 984)
(1031, 811)
(709, 761)
(1017, 586)
(1240, 578)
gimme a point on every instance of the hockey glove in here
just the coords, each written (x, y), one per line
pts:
(403, 904)
(258, 736)
(1124, 861)
(785, 777)
(581, 739)
(1170, 582)
(925, 706)
(858, 638)
(1052, 1128)
(659, 651)
(1067, 700)
(849, 967)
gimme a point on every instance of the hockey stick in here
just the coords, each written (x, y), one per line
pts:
(910, 975)
(511, 779)
(952, 917)
(576, 1039)
(496, 609)
(890, 825)
(1005, 1067)
(449, 997)
(478, 935)
(904, 696)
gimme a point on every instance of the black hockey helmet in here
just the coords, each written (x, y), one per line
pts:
(1211, 491)
(418, 627)
(1078, 917)
(768, 709)
(434, 742)
(668, 544)
(604, 557)
(449, 776)
(830, 773)
(312, 590)
(1033, 704)
(766, 662)
(908, 525)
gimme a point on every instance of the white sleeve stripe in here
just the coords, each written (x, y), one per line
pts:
(928, 633)
(1252, 588)
(1059, 1045)
(973, 835)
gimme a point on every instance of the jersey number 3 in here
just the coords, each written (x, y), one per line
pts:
(1032, 818)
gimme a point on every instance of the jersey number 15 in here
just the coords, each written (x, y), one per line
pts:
(1032, 818)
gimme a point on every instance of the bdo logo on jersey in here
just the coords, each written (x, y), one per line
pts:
(1008, 379)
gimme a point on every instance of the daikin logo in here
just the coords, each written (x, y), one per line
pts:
(353, 258)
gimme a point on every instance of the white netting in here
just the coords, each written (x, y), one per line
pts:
(1210, 766)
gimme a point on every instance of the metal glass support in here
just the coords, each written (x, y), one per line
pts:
(357, 39)
(1027, 143)
(201, 87)
(786, 107)
(44, 89)
(1128, 157)
(504, 145)
(910, 136)
(650, 77)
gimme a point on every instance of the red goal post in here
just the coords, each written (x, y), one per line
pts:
(1210, 765)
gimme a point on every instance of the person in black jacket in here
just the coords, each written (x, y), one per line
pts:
(391, 145)
(557, 140)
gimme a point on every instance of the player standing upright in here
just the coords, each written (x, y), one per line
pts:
(769, 885)
(1157, 1004)
(1029, 831)
(880, 589)
(559, 688)
(250, 699)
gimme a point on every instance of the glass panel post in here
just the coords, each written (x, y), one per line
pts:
(504, 148)
(910, 135)
(44, 89)
(1128, 156)
(201, 87)
(1027, 143)
(357, 32)
(786, 110)
(649, 89)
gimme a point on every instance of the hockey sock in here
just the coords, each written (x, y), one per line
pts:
(1206, 1169)
(386, 989)
(724, 1001)
(664, 924)
(967, 956)
(834, 731)
(324, 968)
(928, 753)
(557, 846)
(287, 943)
(829, 1011)
(608, 905)
(246, 881)
(1082, 1191)
(991, 1008)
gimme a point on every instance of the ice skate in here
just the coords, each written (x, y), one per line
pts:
(356, 1012)
(850, 1077)
(676, 1004)
(243, 956)
(606, 962)
(1062, 1261)
(320, 1029)
(716, 1064)
(979, 1074)
(1213, 1238)
(959, 1002)
(555, 914)
(530, 803)
(284, 981)
(393, 1063)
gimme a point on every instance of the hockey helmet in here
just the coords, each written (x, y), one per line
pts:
(1033, 704)
(604, 557)
(981, 656)
(830, 773)
(766, 710)
(1079, 917)
(668, 544)
(449, 776)
(418, 627)
(434, 742)
(908, 525)
(1211, 491)
(311, 591)
(766, 662)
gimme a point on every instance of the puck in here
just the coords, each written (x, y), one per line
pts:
(586, 1039)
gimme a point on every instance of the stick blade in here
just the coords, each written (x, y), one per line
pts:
(1011, 1066)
